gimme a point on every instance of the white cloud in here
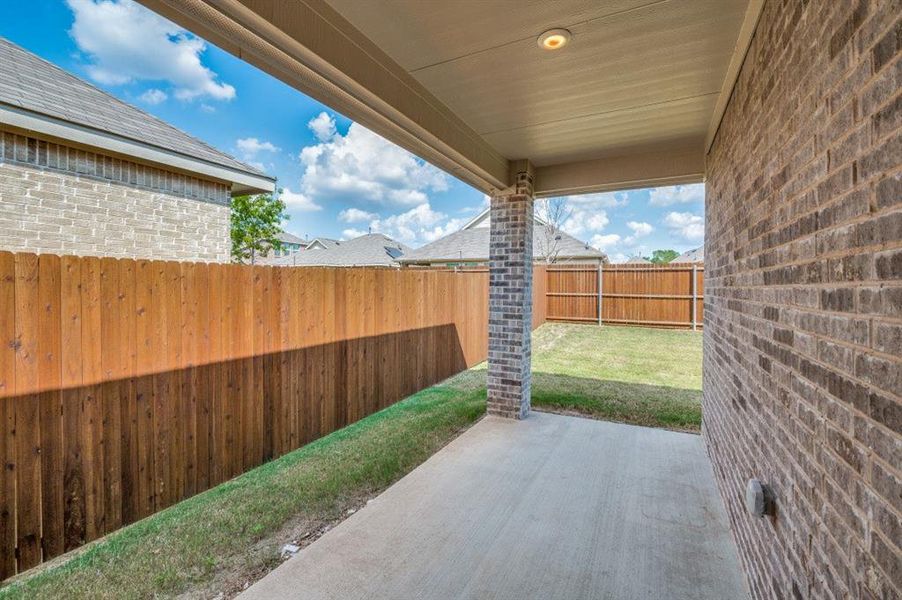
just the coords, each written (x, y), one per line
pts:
(582, 220)
(362, 167)
(295, 202)
(587, 212)
(355, 215)
(153, 96)
(251, 147)
(600, 200)
(639, 228)
(687, 225)
(678, 194)
(603, 242)
(440, 231)
(323, 127)
(349, 234)
(418, 225)
(126, 42)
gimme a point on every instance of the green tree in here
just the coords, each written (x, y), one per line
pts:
(662, 257)
(256, 223)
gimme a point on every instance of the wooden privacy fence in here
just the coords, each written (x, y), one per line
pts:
(128, 385)
(663, 296)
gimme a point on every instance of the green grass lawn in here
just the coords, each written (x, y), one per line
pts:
(229, 536)
(635, 375)
(629, 374)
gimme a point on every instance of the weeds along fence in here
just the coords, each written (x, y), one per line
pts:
(128, 385)
(660, 296)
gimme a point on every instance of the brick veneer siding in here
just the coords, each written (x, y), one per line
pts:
(62, 200)
(803, 300)
(510, 302)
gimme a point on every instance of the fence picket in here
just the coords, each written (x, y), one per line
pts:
(7, 415)
(127, 385)
(665, 296)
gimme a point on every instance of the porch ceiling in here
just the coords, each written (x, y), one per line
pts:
(630, 101)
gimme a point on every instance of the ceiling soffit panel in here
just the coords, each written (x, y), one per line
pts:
(578, 139)
(440, 31)
(482, 61)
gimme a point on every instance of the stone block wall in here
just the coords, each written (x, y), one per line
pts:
(803, 300)
(510, 304)
(62, 200)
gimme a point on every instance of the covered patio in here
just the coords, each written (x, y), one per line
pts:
(552, 507)
(789, 111)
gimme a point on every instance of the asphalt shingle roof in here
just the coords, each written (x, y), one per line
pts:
(691, 256)
(370, 250)
(290, 238)
(31, 83)
(327, 242)
(473, 245)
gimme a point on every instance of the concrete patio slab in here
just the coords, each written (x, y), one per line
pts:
(549, 507)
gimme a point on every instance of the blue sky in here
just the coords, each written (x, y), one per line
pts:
(339, 178)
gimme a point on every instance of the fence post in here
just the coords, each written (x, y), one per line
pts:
(694, 296)
(600, 270)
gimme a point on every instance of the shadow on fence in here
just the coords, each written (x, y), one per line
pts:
(83, 461)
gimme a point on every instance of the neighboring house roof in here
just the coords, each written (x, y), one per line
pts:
(38, 96)
(290, 238)
(691, 256)
(322, 244)
(483, 219)
(471, 244)
(636, 260)
(370, 250)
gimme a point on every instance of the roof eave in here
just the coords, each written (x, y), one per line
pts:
(242, 182)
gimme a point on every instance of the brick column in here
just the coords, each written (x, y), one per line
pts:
(510, 299)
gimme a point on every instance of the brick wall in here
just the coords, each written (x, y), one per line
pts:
(510, 302)
(803, 306)
(66, 201)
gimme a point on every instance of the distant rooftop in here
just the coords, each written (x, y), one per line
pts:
(37, 95)
(691, 256)
(290, 238)
(636, 260)
(322, 243)
(471, 244)
(370, 250)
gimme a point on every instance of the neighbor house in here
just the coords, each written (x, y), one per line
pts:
(696, 255)
(289, 244)
(370, 250)
(82, 172)
(470, 246)
(321, 243)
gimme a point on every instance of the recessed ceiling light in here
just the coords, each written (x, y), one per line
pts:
(554, 39)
